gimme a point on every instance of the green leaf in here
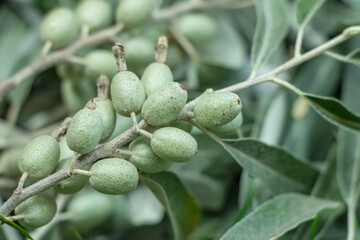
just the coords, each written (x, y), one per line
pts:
(181, 207)
(276, 167)
(271, 29)
(17, 227)
(348, 155)
(334, 111)
(305, 9)
(277, 216)
(227, 50)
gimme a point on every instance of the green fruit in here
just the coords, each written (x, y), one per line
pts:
(76, 94)
(73, 184)
(73, 72)
(84, 132)
(139, 52)
(100, 62)
(156, 76)
(127, 93)
(217, 109)
(199, 28)
(133, 12)
(165, 105)
(9, 162)
(229, 127)
(114, 176)
(105, 109)
(173, 144)
(94, 13)
(40, 157)
(60, 26)
(39, 210)
(89, 209)
(144, 158)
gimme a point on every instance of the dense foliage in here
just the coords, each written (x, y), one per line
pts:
(242, 123)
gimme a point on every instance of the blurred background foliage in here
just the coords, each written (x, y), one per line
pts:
(271, 114)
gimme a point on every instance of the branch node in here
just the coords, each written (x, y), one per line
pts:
(161, 49)
(103, 84)
(119, 54)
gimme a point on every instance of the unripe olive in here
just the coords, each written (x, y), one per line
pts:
(217, 109)
(89, 209)
(144, 158)
(38, 210)
(199, 28)
(114, 176)
(40, 157)
(69, 71)
(85, 130)
(231, 126)
(156, 76)
(73, 184)
(165, 105)
(9, 162)
(105, 109)
(100, 62)
(94, 13)
(127, 93)
(173, 144)
(60, 26)
(139, 52)
(133, 12)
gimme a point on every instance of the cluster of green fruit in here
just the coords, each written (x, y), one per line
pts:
(155, 96)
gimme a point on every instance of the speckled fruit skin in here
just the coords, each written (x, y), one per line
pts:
(139, 52)
(127, 93)
(155, 77)
(114, 176)
(73, 184)
(100, 62)
(84, 132)
(39, 210)
(9, 162)
(133, 12)
(60, 26)
(89, 209)
(144, 158)
(229, 127)
(217, 109)
(94, 13)
(40, 157)
(105, 109)
(165, 105)
(199, 28)
(173, 144)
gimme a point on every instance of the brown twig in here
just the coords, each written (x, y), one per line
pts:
(59, 132)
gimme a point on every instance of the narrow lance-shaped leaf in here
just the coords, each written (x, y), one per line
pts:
(278, 168)
(277, 216)
(17, 227)
(271, 29)
(334, 111)
(348, 154)
(181, 207)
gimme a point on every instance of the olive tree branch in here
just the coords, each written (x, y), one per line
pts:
(102, 151)
(45, 62)
(110, 148)
(345, 35)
